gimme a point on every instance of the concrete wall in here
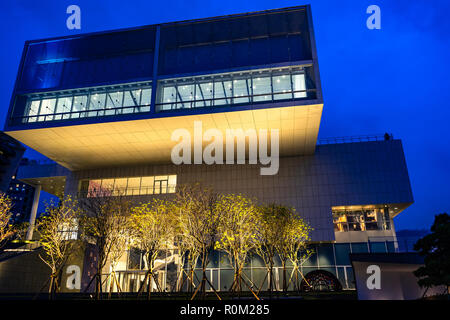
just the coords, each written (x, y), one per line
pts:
(337, 174)
(27, 273)
(397, 282)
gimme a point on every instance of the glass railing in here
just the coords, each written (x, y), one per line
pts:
(350, 139)
(256, 86)
(214, 90)
(130, 191)
(92, 102)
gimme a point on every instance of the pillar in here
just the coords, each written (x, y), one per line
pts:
(34, 208)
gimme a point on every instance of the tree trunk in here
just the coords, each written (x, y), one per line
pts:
(150, 277)
(283, 263)
(50, 288)
(270, 278)
(149, 285)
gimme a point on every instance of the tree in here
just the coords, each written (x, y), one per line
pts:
(56, 227)
(118, 248)
(188, 252)
(266, 237)
(151, 225)
(236, 234)
(435, 247)
(199, 221)
(103, 217)
(291, 244)
(5, 215)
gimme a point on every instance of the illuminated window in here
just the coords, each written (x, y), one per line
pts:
(89, 102)
(204, 94)
(132, 186)
(262, 88)
(47, 108)
(232, 88)
(361, 219)
(69, 231)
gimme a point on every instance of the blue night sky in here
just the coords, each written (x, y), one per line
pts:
(374, 81)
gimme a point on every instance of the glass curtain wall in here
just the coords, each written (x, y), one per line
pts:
(132, 186)
(231, 88)
(94, 102)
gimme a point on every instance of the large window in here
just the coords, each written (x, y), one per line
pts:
(232, 88)
(92, 102)
(361, 219)
(132, 186)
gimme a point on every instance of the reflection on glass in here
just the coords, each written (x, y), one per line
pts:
(232, 88)
(203, 94)
(63, 105)
(131, 186)
(262, 89)
(113, 101)
(169, 97)
(281, 84)
(33, 110)
(223, 90)
(90, 104)
(298, 82)
(147, 185)
(47, 107)
(97, 102)
(79, 104)
(146, 100)
(241, 88)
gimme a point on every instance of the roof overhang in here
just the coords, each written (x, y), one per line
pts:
(144, 141)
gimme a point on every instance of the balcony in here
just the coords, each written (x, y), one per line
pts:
(236, 88)
(88, 102)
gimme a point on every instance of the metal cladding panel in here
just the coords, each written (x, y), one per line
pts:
(364, 173)
(88, 60)
(235, 42)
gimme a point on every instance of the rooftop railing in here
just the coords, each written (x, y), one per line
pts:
(350, 139)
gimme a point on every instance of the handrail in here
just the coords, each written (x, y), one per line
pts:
(80, 112)
(237, 97)
(361, 138)
(59, 116)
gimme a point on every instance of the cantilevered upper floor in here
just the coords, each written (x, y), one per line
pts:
(113, 98)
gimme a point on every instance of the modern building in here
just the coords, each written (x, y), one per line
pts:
(103, 107)
(11, 152)
(21, 195)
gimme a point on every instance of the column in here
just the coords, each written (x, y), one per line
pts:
(37, 193)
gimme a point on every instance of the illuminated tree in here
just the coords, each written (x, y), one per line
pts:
(199, 221)
(236, 234)
(102, 221)
(188, 252)
(152, 230)
(291, 243)
(267, 232)
(5, 215)
(118, 248)
(57, 227)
